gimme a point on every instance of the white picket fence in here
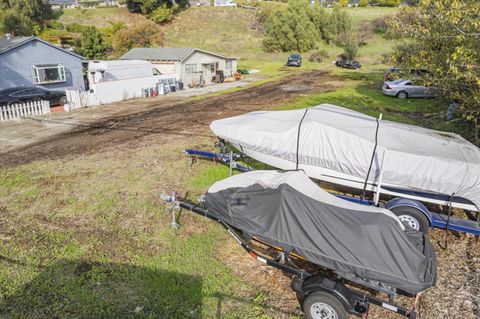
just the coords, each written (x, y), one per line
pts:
(17, 111)
(77, 99)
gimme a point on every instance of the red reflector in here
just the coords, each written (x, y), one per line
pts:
(253, 254)
(389, 87)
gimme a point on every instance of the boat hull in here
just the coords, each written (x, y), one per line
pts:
(342, 179)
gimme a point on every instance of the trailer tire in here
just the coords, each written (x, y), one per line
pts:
(412, 217)
(323, 305)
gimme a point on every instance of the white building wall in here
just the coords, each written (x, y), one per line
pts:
(115, 91)
(201, 60)
(168, 68)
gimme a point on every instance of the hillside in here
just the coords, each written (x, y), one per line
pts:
(99, 17)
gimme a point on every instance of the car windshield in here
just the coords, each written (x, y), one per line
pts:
(294, 56)
(398, 81)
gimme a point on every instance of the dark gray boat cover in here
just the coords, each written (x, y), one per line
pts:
(358, 242)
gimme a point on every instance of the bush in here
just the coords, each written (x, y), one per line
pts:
(290, 29)
(162, 14)
(363, 3)
(387, 3)
(351, 46)
(93, 45)
(318, 56)
(141, 35)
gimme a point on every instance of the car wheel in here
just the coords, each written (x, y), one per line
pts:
(412, 217)
(402, 95)
(63, 100)
(322, 305)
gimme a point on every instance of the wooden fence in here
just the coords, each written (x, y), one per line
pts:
(16, 111)
(77, 99)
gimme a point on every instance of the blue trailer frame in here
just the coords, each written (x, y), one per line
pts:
(435, 220)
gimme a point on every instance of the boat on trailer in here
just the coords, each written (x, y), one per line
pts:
(350, 149)
(365, 247)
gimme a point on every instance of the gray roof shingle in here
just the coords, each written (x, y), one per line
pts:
(162, 54)
(166, 54)
(6, 43)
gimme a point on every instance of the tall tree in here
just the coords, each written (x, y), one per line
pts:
(445, 38)
(93, 45)
(290, 29)
(141, 35)
(20, 16)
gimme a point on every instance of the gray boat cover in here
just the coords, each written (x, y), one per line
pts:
(343, 140)
(358, 242)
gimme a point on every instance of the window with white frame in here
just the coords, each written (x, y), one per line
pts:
(228, 65)
(190, 68)
(211, 67)
(49, 73)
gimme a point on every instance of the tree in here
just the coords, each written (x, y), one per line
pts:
(445, 38)
(363, 3)
(162, 14)
(388, 3)
(20, 16)
(351, 46)
(343, 3)
(93, 45)
(142, 35)
(290, 29)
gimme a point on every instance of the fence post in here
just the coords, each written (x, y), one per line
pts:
(1, 113)
(46, 105)
(15, 106)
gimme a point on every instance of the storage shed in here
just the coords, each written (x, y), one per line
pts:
(190, 66)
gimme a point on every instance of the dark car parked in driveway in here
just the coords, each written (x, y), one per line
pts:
(27, 94)
(294, 60)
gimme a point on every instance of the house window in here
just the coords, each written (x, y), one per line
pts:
(49, 73)
(190, 68)
(228, 65)
(211, 67)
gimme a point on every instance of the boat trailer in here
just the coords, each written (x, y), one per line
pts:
(320, 296)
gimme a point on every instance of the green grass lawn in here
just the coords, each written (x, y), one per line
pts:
(90, 239)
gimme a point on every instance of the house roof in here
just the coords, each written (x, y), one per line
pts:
(7, 44)
(164, 54)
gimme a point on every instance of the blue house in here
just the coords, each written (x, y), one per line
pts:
(30, 61)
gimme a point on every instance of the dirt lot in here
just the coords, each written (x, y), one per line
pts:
(162, 121)
(125, 128)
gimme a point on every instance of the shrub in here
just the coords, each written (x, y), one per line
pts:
(351, 46)
(93, 45)
(343, 3)
(162, 14)
(141, 35)
(290, 29)
(363, 3)
(318, 56)
(388, 3)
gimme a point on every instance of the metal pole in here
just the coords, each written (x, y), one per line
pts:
(231, 163)
(380, 177)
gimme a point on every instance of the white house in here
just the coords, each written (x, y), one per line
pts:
(189, 65)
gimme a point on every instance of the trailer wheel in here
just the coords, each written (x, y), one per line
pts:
(412, 217)
(323, 305)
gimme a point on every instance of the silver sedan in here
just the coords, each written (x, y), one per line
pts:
(405, 88)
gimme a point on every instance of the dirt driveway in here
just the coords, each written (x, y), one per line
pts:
(164, 119)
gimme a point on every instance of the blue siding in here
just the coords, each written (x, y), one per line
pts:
(16, 66)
